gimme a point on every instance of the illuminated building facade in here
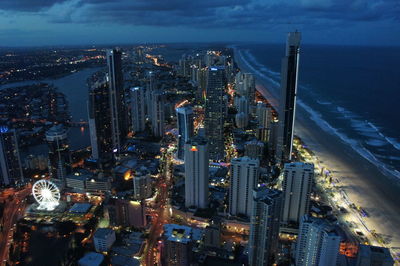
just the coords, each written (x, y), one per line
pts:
(244, 178)
(317, 243)
(297, 184)
(196, 173)
(215, 111)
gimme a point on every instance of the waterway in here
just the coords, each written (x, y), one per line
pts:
(74, 87)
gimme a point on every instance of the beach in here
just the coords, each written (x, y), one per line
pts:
(362, 181)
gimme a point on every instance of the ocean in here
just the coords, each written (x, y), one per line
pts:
(350, 92)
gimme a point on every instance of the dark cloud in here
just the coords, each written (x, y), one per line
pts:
(212, 13)
(27, 5)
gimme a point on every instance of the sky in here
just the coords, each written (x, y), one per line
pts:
(91, 22)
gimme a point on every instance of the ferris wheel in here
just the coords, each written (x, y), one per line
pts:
(47, 194)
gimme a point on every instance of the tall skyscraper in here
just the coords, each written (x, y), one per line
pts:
(196, 172)
(157, 113)
(215, 111)
(100, 121)
(244, 178)
(118, 112)
(59, 154)
(185, 127)
(264, 230)
(246, 86)
(10, 161)
(138, 112)
(290, 65)
(264, 115)
(317, 243)
(297, 184)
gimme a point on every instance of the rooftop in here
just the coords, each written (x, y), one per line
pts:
(103, 232)
(91, 258)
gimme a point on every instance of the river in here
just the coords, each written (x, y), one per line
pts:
(76, 91)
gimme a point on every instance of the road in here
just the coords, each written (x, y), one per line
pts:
(161, 216)
(13, 210)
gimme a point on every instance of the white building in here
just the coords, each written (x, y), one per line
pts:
(244, 178)
(196, 173)
(264, 230)
(103, 239)
(138, 114)
(317, 243)
(297, 183)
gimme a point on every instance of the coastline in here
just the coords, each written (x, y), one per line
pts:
(363, 182)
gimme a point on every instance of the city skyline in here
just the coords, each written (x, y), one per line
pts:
(200, 154)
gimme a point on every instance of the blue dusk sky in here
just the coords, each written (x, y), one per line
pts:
(75, 22)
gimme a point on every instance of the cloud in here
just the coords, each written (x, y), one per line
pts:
(27, 5)
(252, 14)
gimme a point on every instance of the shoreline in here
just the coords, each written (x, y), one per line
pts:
(363, 182)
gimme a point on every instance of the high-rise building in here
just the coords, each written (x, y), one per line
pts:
(241, 120)
(246, 86)
(138, 111)
(297, 184)
(10, 162)
(151, 85)
(142, 186)
(244, 178)
(264, 115)
(242, 104)
(185, 127)
(157, 113)
(264, 230)
(212, 234)
(215, 111)
(100, 121)
(317, 243)
(59, 154)
(254, 149)
(119, 121)
(374, 256)
(128, 213)
(196, 172)
(290, 65)
(178, 243)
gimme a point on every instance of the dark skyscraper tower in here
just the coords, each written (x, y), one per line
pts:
(10, 163)
(100, 121)
(290, 65)
(185, 127)
(59, 155)
(264, 230)
(215, 111)
(117, 99)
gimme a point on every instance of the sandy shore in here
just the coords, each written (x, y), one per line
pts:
(364, 184)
